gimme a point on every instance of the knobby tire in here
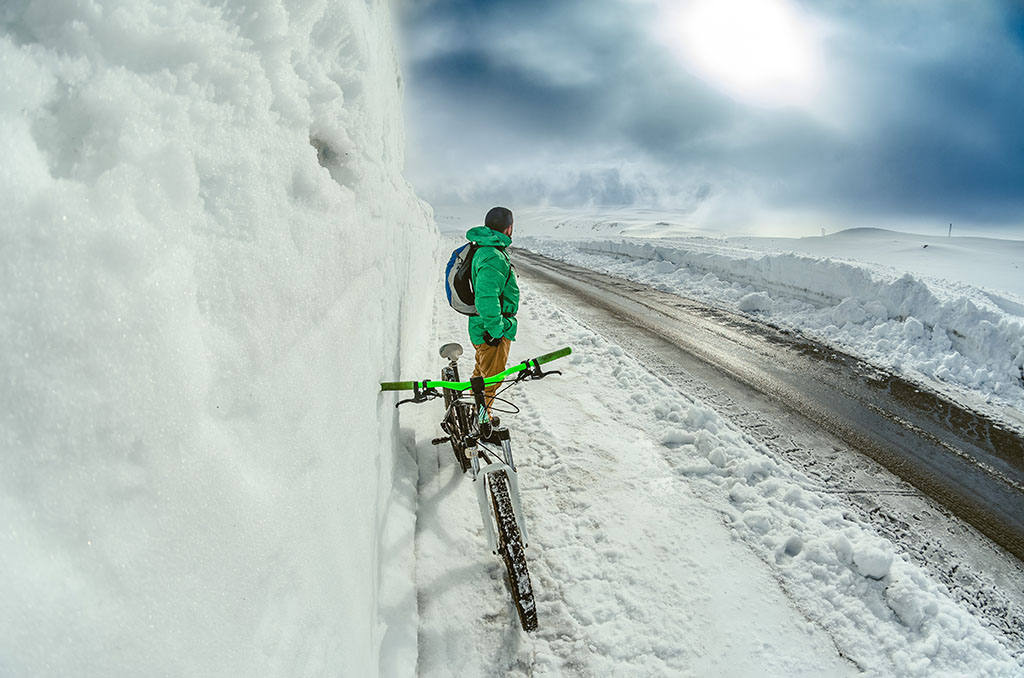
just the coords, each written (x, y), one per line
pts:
(456, 427)
(511, 550)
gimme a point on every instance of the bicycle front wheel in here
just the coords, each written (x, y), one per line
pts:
(511, 550)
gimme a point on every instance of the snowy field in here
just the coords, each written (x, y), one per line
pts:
(663, 542)
(945, 312)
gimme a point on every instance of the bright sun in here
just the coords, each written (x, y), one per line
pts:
(763, 52)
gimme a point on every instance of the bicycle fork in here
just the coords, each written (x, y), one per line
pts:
(481, 478)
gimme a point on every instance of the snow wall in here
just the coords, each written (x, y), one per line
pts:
(208, 259)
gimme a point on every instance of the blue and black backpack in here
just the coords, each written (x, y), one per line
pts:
(458, 279)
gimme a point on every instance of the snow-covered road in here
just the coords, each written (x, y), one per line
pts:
(665, 540)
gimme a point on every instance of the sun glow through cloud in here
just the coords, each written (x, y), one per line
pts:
(761, 52)
(867, 113)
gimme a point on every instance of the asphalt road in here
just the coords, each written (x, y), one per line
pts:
(835, 417)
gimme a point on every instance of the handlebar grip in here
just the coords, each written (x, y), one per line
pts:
(396, 385)
(554, 355)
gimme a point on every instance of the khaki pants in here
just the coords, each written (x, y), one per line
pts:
(489, 361)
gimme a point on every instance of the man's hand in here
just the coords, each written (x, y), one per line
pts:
(491, 341)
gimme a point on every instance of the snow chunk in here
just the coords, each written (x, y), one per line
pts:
(701, 417)
(913, 328)
(755, 302)
(664, 267)
(842, 548)
(871, 561)
(717, 456)
(677, 436)
(754, 469)
(742, 494)
(758, 521)
(911, 603)
(849, 310)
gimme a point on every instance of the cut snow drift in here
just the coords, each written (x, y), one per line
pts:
(203, 211)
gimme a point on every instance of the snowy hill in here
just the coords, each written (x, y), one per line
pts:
(209, 257)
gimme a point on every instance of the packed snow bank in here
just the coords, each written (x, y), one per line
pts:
(946, 331)
(196, 464)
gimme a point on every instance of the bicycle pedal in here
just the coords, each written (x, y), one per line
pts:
(440, 441)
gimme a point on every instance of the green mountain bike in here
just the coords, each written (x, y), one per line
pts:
(483, 446)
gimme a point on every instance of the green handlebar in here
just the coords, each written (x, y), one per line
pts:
(464, 385)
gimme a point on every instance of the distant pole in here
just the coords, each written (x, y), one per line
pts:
(950, 234)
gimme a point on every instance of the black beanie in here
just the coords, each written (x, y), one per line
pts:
(498, 218)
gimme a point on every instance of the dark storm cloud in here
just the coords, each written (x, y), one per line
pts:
(507, 95)
(562, 95)
(488, 63)
(943, 100)
(626, 87)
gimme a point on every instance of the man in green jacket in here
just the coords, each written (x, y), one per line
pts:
(493, 330)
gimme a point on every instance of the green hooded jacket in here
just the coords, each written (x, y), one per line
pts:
(494, 286)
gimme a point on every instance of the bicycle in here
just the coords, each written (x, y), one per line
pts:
(472, 434)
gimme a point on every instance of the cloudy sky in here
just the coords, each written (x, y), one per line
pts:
(845, 112)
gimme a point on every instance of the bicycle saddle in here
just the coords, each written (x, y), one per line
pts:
(451, 351)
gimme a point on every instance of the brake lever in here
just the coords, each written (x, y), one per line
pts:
(420, 396)
(533, 371)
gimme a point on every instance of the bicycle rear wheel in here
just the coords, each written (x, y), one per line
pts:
(448, 374)
(511, 550)
(454, 425)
